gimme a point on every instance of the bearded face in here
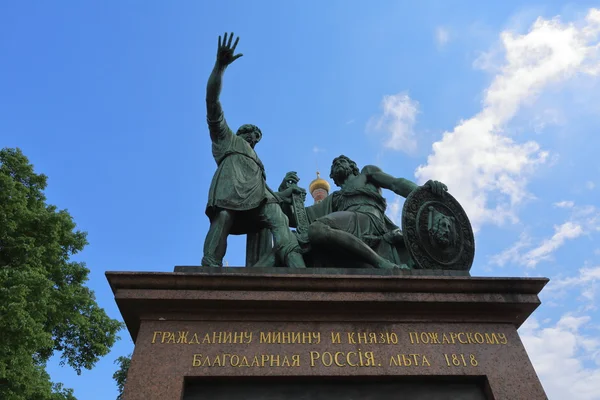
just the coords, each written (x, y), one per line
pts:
(442, 232)
(341, 170)
(250, 133)
(252, 138)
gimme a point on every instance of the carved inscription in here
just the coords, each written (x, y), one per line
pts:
(290, 337)
(408, 360)
(457, 337)
(343, 359)
(234, 360)
(342, 348)
(365, 337)
(185, 337)
(458, 360)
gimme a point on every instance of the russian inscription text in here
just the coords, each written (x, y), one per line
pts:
(341, 348)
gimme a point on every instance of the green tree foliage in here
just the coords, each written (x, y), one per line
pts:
(120, 376)
(44, 303)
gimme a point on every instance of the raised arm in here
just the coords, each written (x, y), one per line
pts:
(400, 186)
(214, 112)
(213, 91)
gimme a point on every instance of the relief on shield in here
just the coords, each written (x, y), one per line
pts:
(437, 232)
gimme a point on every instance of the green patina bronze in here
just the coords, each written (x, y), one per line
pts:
(348, 229)
(239, 199)
(351, 225)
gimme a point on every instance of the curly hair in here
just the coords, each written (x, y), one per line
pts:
(355, 170)
(249, 128)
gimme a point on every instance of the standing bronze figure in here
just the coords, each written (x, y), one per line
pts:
(239, 200)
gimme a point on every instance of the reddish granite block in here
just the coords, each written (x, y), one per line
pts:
(231, 325)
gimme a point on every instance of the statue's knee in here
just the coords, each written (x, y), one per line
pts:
(224, 216)
(275, 218)
(285, 221)
(278, 214)
(317, 231)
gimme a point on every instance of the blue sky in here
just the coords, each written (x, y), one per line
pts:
(499, 100)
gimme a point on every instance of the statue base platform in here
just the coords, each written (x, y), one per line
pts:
(275, 333)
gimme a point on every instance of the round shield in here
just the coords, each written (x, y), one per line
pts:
(437, 232)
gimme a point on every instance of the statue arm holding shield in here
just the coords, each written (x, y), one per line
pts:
(400, 186)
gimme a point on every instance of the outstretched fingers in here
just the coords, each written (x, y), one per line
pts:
(225, 51)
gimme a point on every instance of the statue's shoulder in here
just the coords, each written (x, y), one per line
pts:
(369, 169)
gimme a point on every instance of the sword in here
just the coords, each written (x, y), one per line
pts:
(301, 217)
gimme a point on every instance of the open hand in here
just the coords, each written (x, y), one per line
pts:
(225, 51)
(437, 188)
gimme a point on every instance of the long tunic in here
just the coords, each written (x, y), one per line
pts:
(239, 183)
(363, 199)
(365, 217)
(366, 207)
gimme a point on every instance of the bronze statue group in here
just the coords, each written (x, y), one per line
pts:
(348, 228)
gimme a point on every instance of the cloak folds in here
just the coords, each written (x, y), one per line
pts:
(239, 183)
(259, 247)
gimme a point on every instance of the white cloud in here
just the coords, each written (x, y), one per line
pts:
(568, 230)
(588, 216)
(547, 117)
(394, 210)
(564, 204)
(585, 282)
(397, 120)
(513, 253)
(442, 36)
(590, 185)
(559, 354)
(486, 170)
(583, 220)
(317, 149)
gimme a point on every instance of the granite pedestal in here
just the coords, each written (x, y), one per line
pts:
(253, 333)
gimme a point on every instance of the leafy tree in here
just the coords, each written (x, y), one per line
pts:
(44, 303)
(120, 376)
